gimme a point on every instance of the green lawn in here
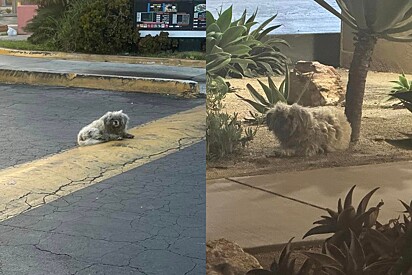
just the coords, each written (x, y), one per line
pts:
(25, 45)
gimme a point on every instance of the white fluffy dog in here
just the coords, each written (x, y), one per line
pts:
(111, 126)
(304, 131)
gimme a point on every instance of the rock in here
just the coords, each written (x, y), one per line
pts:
(224, 257)
(325, 85)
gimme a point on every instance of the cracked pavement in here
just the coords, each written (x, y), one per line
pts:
(38, 121)
(144, 221)
(125, 207)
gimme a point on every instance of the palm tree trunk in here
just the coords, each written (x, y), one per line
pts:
(362, 56)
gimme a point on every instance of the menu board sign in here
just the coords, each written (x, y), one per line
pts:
(170, 14)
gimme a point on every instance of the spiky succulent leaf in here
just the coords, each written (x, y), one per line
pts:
(322, 259)
(224, 20)
(283, 266)
(408, 208)
(258, 107)
(379, 18)
(348, 198)
(364, 202)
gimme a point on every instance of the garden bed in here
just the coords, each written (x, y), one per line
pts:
(380, 122)
(266, 255)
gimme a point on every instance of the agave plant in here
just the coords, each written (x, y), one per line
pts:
(284, 266)
(250, 53)
(347, 219)
(272, 95)
(384, 249)
(371, 20)
(403, 85)
(224, 42)
(390, 245)
(265, 50)
(403, 91)
(336, 261)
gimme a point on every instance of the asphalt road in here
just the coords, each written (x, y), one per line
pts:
(148, 220)
(38, 121)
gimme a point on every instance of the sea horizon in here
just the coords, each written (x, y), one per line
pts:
(295, 16)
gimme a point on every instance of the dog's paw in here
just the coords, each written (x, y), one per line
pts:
(120, 138)
(129, 135)
(281, 153)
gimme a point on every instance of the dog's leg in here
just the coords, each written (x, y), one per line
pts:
(282, 152)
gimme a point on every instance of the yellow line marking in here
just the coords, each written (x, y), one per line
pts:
(41, 181)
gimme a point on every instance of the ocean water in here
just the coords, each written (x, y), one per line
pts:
(295, 16)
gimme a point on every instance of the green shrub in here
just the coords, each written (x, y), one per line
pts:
(45, 24)
(156, 44)
(97, 26)
(224, 135)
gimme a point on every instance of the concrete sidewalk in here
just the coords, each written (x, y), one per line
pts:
(103, 75)
(271, 209)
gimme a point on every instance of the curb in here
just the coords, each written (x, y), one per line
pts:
(271, 247)
(106, 58)
(182, 88)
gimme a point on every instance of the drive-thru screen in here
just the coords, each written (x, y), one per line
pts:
(180, 18)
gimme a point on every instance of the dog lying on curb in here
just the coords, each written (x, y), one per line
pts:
(111, 126)
(304, 131)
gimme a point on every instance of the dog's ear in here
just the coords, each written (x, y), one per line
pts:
(125, 119)
(270, 118)
(107, 117)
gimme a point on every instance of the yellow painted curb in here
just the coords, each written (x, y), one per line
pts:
(38, 182)
(185, 88)
(106, 58)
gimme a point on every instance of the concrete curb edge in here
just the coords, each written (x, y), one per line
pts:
(105, 58)
(271, 247)
(182, 88)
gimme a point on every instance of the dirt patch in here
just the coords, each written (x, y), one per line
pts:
(379, 122)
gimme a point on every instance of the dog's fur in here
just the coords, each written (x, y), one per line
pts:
(111, 126)
(304, 131)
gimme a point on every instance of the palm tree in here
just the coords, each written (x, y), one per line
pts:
(371, 20)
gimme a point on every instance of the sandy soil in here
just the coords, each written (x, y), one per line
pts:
(380, 122)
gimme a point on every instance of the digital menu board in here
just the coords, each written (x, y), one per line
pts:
(170, 14)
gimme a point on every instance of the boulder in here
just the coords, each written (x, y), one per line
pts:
(325, 86)
(224, 257)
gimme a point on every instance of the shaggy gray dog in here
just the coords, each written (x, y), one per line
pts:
(111, 126)
(304, 131)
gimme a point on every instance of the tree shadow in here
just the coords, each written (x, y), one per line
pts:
(405, 143)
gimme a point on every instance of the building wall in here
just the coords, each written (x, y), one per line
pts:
(387, 57)
(322, 47)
